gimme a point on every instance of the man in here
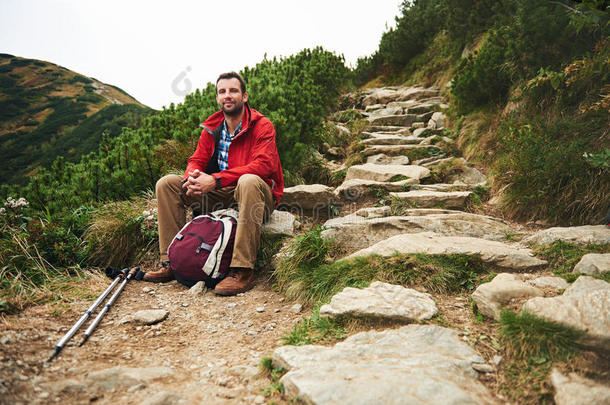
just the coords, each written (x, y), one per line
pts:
(236, 161)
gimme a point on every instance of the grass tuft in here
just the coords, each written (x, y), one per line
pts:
(563, 256)
(307, 273)
(537, 340)
(315, 329)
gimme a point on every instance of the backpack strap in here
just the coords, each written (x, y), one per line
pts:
(212, 265)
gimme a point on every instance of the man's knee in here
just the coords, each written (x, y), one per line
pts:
(170, 181)
(249, 181)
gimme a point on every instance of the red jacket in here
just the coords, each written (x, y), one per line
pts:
(252, 151)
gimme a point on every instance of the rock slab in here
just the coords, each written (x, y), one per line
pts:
(496, 253)
(493, 296)
(596, 234)
(370, 171)
(593, 263)
(381, 300)
(117, 377)
(584, 305)
(415, 364)
(576, 390)
(150, 316)
(308, 196)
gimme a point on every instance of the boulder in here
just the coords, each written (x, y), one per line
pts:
(428, 199)
(381, 300)
(375, 172)
(415, 364)
(439, 119)
(361, 230)
(576, 390)
(492, 252)
(308, 196)
(580, 235)
(381, 159)
(467, 175)
(493, 296)
(584, 305)
(379, 96)
(593, 263)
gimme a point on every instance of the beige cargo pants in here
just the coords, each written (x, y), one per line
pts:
(252, 197)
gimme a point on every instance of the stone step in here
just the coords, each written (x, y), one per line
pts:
(354, 189)
(386, 95)
(495, 253)
(369, 171)
(395, 120)
(378, 139)
(389, 129)
(393, 150)
(415, 364)
(443, 187)
(381, 159)
(429, 199)
(308, 196)
(368, 226)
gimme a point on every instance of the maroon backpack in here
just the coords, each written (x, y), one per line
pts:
(202, 250)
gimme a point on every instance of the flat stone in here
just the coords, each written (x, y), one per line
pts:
(296, 308)
(198, 289)
(390, 140)
(576, 390)
(398, 119)
(493, 296)
(439, 119)
(394, 150)
(354, 189)
(390, 129)
(369, 226)
(381, 300)
(428, 199)
(381, 159)
(593, 263)
(495, 253)
(150, 316)
(557, 283)
(116, 377)
(387, 111)
(308, 196)
(584, 305)
(163, 398)
(415, 364)
(369, 171)
(444, 187)
(580, 235)
(419, 108)
(373, 107)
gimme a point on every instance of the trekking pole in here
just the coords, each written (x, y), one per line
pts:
(111, 301)
(62, 342)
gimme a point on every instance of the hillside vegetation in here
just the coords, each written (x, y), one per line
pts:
(48, 111)
(530, 86)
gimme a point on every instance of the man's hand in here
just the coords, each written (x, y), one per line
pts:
(198, 183)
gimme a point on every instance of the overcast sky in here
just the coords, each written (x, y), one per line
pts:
(157, 50)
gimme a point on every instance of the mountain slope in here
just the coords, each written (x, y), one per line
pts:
(48, 111)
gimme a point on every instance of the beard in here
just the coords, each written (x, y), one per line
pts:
(234, 110)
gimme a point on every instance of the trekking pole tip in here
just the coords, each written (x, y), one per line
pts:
(85, 338)
(54, 354)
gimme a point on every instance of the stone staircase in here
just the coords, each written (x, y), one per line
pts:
(426, 364)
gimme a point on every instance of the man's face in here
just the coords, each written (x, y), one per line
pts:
(229, 96)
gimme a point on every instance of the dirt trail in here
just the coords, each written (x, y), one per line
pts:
(211, 346)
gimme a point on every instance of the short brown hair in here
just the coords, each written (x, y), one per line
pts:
(233, 75)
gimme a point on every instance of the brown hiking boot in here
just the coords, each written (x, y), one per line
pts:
(163, 275)
(239, 280)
